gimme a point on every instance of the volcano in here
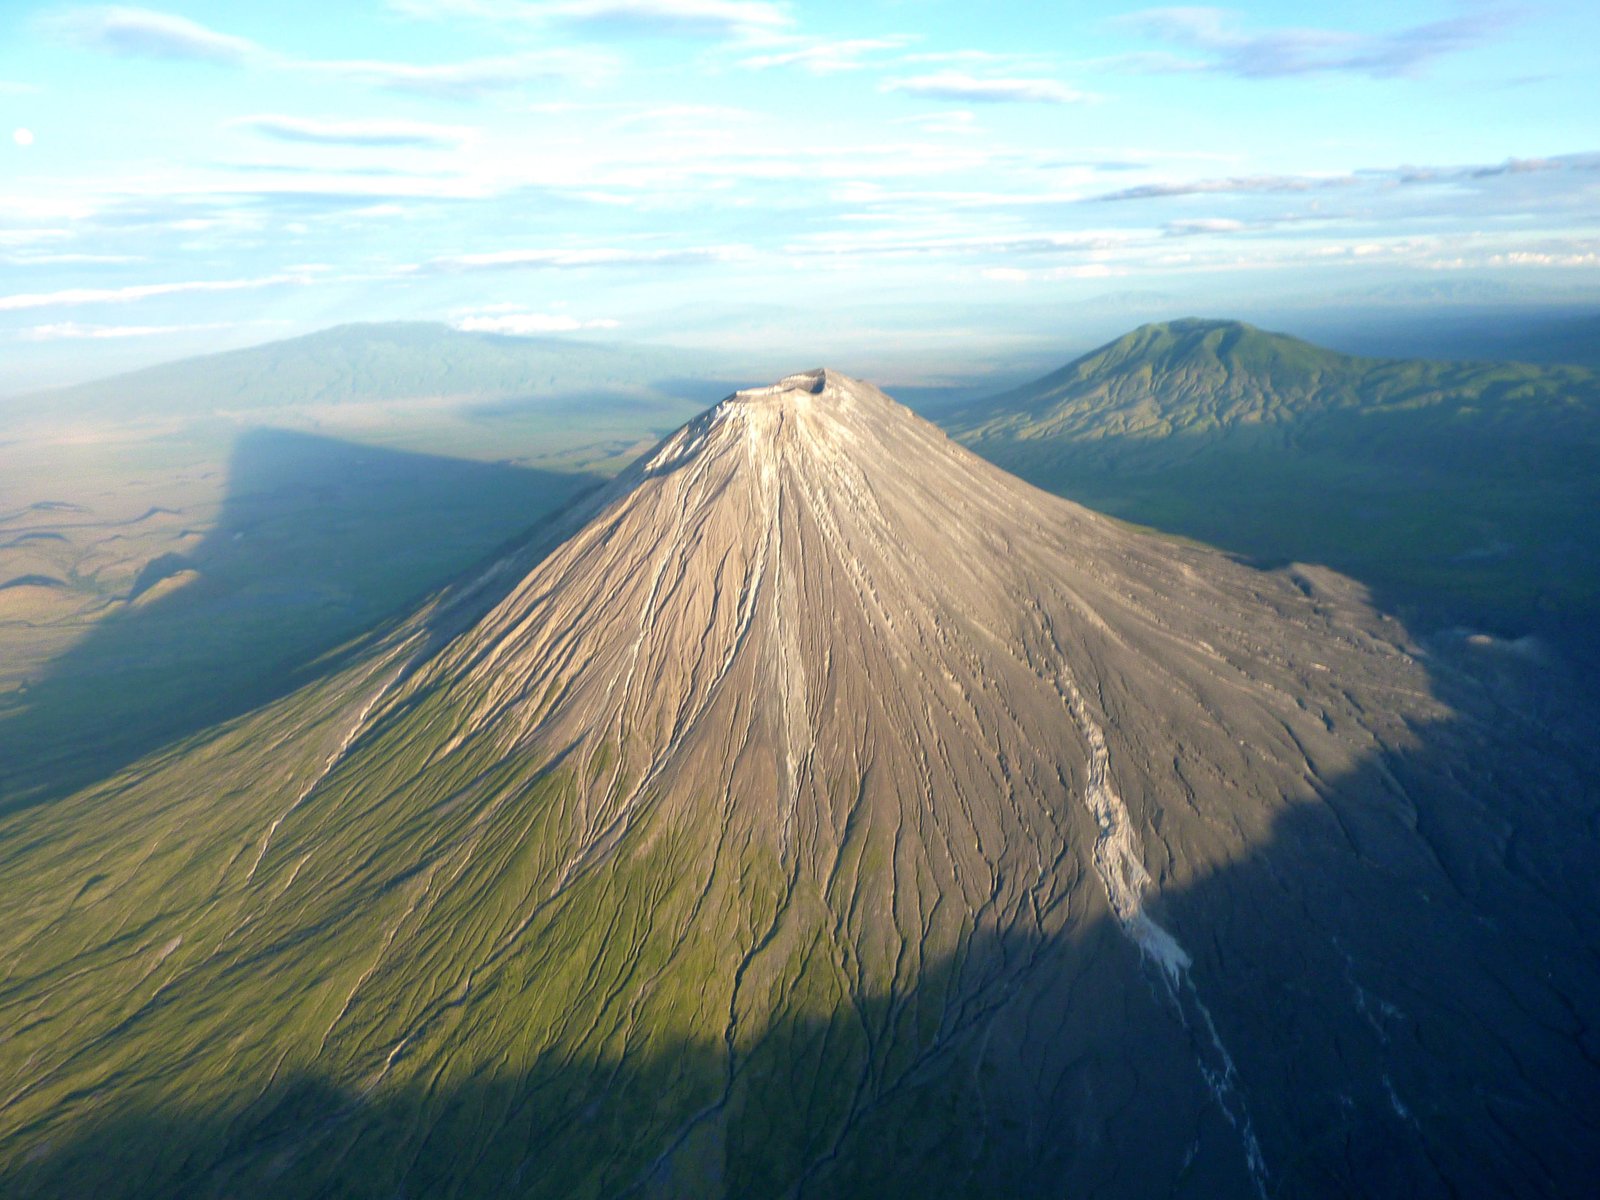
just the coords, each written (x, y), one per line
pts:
(819, 810)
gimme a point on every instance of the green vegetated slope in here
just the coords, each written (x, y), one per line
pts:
(1465, 492)
(389, 362)
(817, 811)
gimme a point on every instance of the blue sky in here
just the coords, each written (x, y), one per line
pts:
(878, 183)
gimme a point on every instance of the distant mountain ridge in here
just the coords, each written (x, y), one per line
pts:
(1465, 488)
(1205, 376)
(378, 362)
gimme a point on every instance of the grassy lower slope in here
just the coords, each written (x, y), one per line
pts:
(1463, 491)
(304, 963)
(760, 839)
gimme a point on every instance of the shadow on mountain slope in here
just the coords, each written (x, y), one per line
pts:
(1395, 993)
(1483, 530)
(317, 540)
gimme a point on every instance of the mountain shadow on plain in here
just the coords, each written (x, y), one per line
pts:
(317, 541)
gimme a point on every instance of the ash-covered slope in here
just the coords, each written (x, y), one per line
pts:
(830, 813)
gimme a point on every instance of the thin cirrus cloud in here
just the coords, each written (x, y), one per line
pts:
(958, 120)
(679, 18)
(26, 259)
(1589, 161)
(575, 259)
(1202, 225)
(353, 133)
(1483, 174)
(969, 89)
(1217, 44)
(465, 80)
(524, 324)
(1232, 185)
(145, 291)
(700, 117)
(74, 331)
(1086, 242)
(145, 33)
(693, 18)
(827, 57)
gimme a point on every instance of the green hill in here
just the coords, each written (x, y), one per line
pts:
(1461, 492)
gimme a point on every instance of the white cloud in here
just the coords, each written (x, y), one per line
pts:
(27, 237)
(1054, 274)
(26, 259)
(1246, 185)
(988, 57)
(957, 120)
(691, 118)
(478, 310)
(1528, 258)
(553, 259)
(693, 18)
(471, 78)
(353, 133)
(72, 331)
(1479, 176)
(826, 57)
(704, 18)
(143, 33)
(959, 86)
(125, 295)
(524, 324)
(1203, 225)
(492, 9)
(1275, 53)
(1459, 254)
(892, 242)
(858, 191)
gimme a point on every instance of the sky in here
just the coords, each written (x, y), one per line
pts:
(874, 182)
